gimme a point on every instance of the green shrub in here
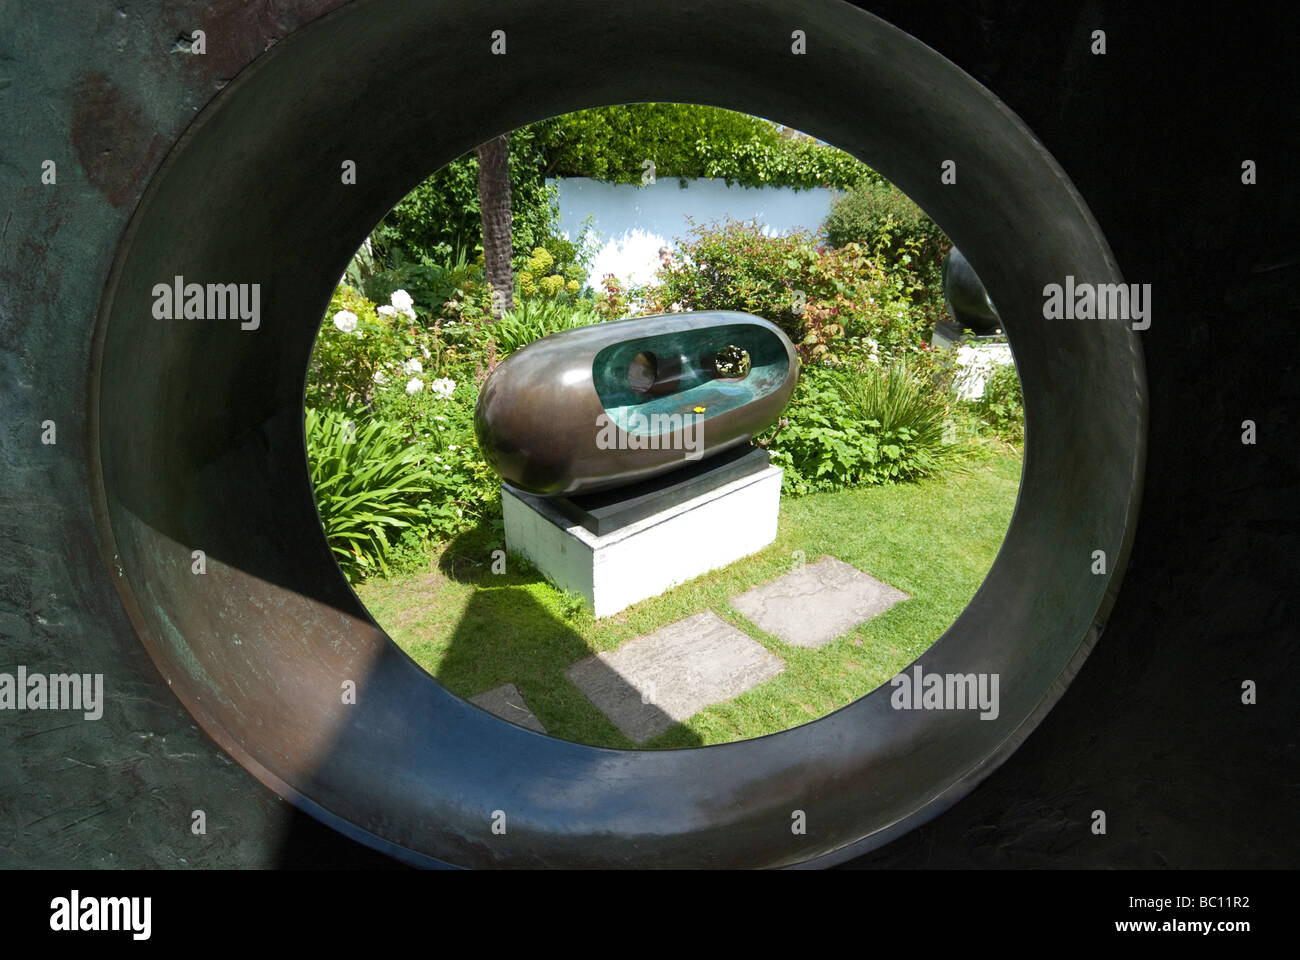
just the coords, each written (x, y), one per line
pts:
(884, 220)
(364, 351)
(613, 301)
(440, 418)
(899, 398)
(354, 348)
(864, 424)
(441, 215)
(543, 276)
(430, 285)
(688, 141)
(831, 303)
(465, 317)
(534, 319)
(570, 259)
(797, 162)
(367, 479)
(1002, 406)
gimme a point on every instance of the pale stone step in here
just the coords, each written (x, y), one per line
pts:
(813, 604)
(665, 677)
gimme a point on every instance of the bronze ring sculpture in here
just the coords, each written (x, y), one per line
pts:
(198, 441)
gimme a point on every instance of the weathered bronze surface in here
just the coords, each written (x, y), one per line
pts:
(193, 438)
(615, 403)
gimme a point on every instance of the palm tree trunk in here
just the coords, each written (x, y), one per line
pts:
(494, 207)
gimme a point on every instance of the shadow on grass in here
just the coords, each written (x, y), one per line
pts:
(517, 628)
(469, 557)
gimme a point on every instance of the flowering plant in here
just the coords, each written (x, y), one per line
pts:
(823, 298)
(363, 349)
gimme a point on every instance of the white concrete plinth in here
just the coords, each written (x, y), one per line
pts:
(645, 558)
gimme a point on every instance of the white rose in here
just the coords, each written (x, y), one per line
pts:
(414, 385)
(412, 366)
(403, 302)
(443, 387)
(386, 311)
(345, 320)
(380, 378)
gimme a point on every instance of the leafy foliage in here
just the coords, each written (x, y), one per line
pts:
(391, 368)
(356, 350)
(1002, 405)
(689, 141)
(429, 284)
(542, 276)
(463, 489)
(614, 301)
(366, 478)
(799, 162)
(909, 245)
(441, 215)
(534, 319)
(863, 424)
(831, 303)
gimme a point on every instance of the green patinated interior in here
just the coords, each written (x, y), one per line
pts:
(698, 385)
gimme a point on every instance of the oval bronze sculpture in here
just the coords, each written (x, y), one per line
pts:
(967, 300)
(617, 402)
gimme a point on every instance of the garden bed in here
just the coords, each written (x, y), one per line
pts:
(474, 629)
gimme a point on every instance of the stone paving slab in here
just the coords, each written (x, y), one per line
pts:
(812, 605)
(679, 669)
(508, 703)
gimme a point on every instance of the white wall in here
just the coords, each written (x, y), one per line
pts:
(634, 221)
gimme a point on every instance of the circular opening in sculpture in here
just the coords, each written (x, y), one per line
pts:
(666, 466)
(731, 363)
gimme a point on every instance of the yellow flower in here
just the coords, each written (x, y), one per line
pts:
(541, 261)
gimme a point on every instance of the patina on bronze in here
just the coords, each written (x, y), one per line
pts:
(616, 403)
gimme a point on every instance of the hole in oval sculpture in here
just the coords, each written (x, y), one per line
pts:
(695, 483)
(643, 373)
(731, 363)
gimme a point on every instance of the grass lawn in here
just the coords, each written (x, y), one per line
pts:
(935, 541)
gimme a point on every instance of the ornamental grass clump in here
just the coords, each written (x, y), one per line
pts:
(866, 424)
(368, 480)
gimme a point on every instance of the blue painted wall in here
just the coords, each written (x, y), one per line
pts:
(634, 221)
